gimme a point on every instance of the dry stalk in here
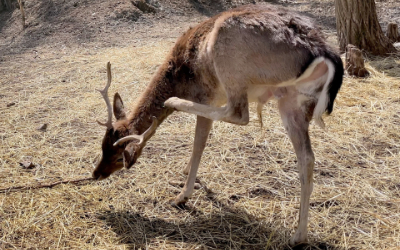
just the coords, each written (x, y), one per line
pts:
(21, 7)
(48, 185)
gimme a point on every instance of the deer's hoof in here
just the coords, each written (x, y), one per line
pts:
(179, 202)
(298, 239)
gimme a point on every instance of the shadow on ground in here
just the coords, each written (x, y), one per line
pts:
(322, 12)
(208, 8)
(389, 65)
(229, 228)
(5, 17)
(326, 19)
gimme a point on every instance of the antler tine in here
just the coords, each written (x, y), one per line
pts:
(143, 137)
(129, 138)
(104, 93)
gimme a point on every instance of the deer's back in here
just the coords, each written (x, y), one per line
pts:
(253, 44)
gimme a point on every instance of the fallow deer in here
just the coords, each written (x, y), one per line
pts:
(249, 54)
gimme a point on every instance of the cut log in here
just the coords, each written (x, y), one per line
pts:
(355, 62)
(393, 32)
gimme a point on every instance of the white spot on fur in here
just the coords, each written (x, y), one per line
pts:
(324, 98)
(302, 99)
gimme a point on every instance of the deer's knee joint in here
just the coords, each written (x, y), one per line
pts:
(309, 160)
(237, 119)
(173, 102)
(237, 113)
(243, 121)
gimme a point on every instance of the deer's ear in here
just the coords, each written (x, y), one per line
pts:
(128, 159)
(119, 111)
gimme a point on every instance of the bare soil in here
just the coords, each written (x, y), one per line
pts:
(249, 192)
(57, 24)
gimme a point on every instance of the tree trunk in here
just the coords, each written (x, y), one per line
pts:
(357, 24)
(393, 32)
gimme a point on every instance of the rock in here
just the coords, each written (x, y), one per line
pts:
(197, 186)
(144, 6)
(127, 11)
(181, 184)
(42, 127)
(176, 184)
(27, 165)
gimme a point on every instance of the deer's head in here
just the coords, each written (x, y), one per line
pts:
(120, 147)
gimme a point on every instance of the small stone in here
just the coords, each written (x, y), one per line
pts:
(42, 127)
(197, 186)
(27, 165)
(176, 183)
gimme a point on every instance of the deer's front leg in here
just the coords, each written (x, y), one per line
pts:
(296, 123)
(236, 111)
(203, 127)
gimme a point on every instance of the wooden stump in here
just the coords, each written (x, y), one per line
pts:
(393, 32)
(355, 62)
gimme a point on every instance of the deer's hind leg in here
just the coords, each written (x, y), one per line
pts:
(296, 117)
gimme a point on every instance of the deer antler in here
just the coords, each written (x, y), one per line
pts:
(104, 93)
(142, 138)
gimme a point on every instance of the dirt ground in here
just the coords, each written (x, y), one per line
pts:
(249, 197)
(60, 24)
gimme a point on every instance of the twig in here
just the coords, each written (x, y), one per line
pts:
(21, 7)
(50, 185)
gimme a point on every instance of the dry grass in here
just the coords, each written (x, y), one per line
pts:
(251, 198)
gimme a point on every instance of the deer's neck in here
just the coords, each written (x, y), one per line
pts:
(151, 103)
